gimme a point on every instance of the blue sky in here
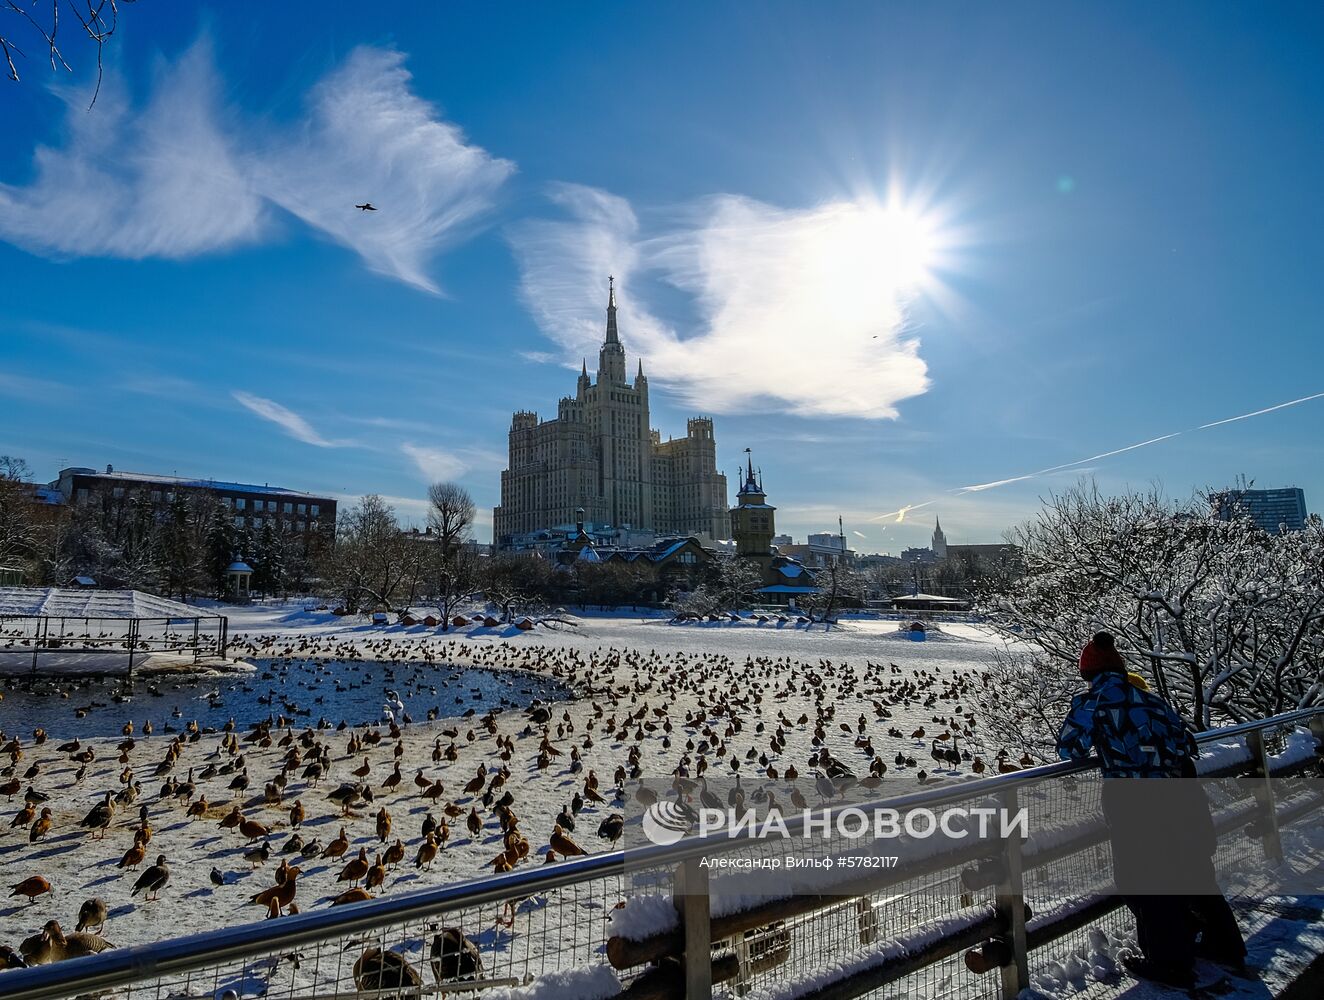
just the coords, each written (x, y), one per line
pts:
(897, 250)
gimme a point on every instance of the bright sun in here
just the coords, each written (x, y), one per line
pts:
(897, 245)
(889, 249)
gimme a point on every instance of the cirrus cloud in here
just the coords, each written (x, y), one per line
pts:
(181, 174)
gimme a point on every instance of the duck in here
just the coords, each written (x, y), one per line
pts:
(32, 887)
(454, 956)
(99, 816)
(355, 895)
(337, 847)
(257, 856)
(382, 970)
(563, 845)
(280, 895)
(356, 868)
(41, 826)
(53, 945)
(133, 857)
(153, 880)
(92, 913)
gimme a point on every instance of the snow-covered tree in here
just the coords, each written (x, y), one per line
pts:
(18, 530)
(1223, 618)
(268, 559)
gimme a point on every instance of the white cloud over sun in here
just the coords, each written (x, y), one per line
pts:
(797, 309)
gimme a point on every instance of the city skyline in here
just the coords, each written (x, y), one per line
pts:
(908, 283)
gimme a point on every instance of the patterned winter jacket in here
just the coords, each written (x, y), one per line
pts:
(1135, 733)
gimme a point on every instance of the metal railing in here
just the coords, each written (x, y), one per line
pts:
(910, 925)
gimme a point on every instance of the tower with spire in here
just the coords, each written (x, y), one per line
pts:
(752, 518)
(939, 544)
(601, 453)
(611, 358)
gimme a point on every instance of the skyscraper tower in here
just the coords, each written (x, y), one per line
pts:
(600, 453)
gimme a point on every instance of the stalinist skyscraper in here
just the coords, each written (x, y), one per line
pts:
(601, 456)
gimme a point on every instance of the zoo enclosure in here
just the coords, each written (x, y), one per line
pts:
(556, 928)
(69, 626)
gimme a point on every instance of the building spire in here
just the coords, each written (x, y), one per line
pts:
(612, 337)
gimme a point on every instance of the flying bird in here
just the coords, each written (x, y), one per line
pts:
(367, 206)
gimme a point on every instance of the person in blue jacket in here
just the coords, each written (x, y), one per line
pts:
(1163, 838)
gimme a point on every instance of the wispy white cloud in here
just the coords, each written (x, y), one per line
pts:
(796, 310)
(367, 136)
(293, 424)
(162, 180)
(435, 464)
(27, 387)
(181, 174)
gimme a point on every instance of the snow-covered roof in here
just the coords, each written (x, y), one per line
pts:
(791, 569)
(239, 566)
(927, 598)
(61, 602)
(755, 506)
(209, 484)
(784, 588)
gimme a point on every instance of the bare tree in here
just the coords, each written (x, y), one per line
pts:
(94, 20)
(450, 513)
(838, 586)
(517, 582)
(450, 578)
(372, 560)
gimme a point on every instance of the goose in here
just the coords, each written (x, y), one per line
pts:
(153, 880)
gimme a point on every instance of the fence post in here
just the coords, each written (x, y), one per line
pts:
(696, 917)
(1264, 797)
(1010, 901)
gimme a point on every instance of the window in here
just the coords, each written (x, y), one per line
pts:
(117, 492)
(226, 501)
(298, 526)
(289, 508)
(302, 508)
(315, 509)
(312, 525)
(82, 495)
(238, 521)
(240, 504)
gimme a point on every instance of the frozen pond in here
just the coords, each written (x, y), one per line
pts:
(305, 692)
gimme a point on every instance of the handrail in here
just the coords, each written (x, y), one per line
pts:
(122, 966)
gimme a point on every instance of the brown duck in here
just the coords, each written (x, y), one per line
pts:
(31, 887)
(356, 869)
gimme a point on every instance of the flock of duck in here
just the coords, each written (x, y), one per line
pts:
(252, 804)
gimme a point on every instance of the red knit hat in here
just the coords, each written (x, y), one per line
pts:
(1100, 654)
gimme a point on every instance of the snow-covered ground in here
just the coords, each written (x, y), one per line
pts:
(638, 678)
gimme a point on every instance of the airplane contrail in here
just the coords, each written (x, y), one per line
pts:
(1256, 413)
(900, 515)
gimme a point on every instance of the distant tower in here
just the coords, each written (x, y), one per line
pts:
(939, 544)
(752, 517)
(611, 359)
